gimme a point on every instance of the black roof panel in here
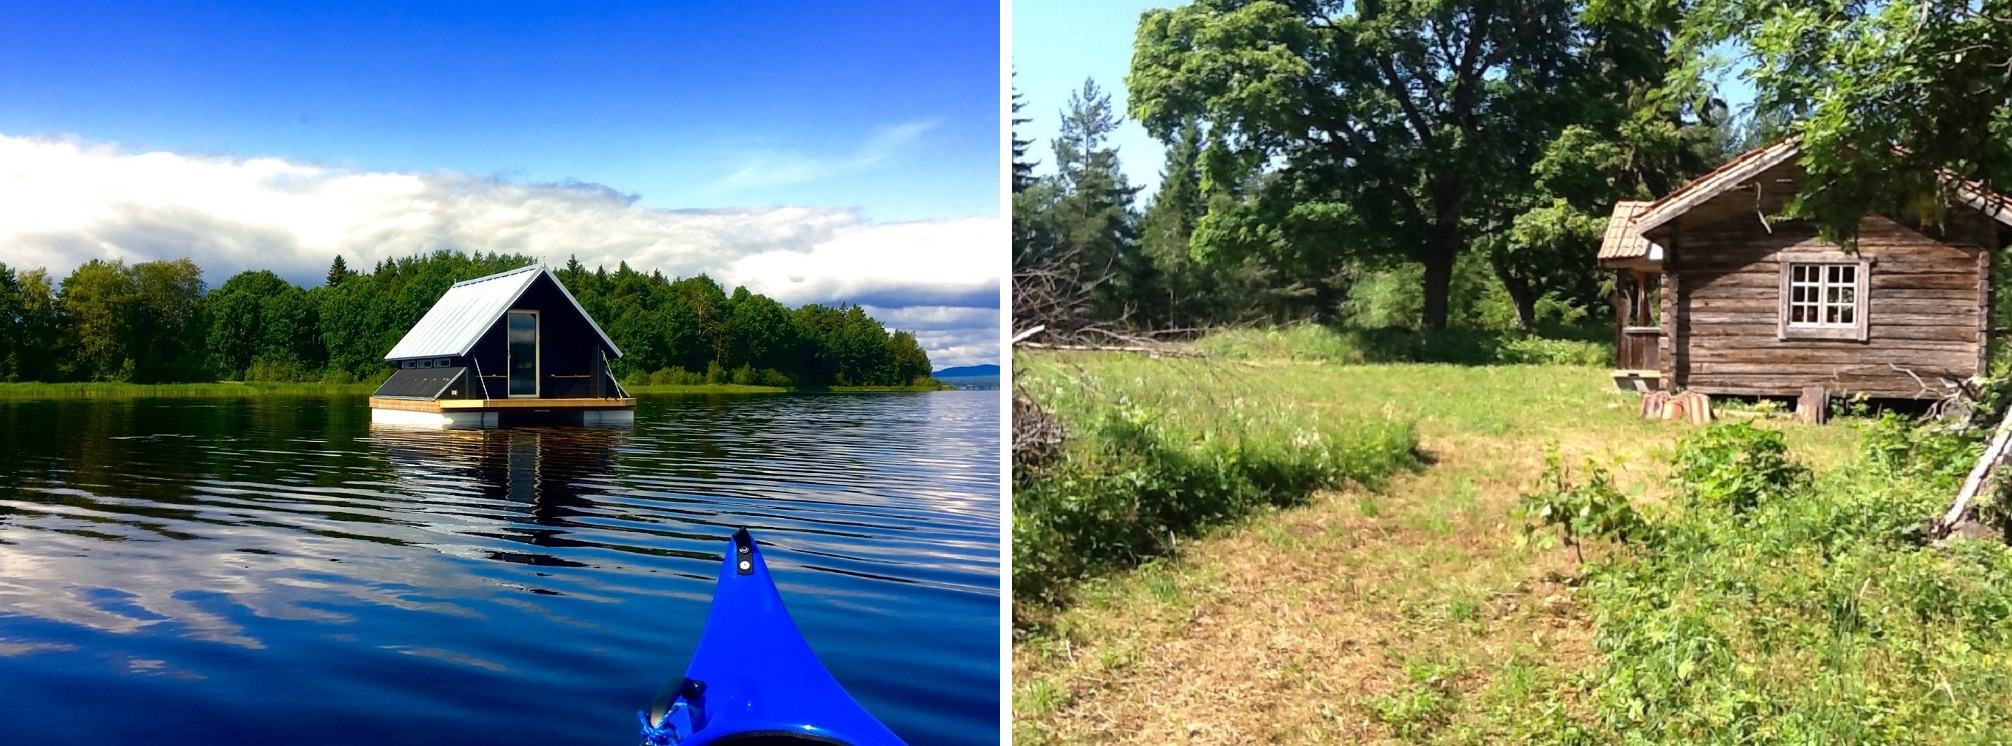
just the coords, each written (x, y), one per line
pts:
(418, 383)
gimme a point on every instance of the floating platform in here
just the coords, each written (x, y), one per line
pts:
(470, 413)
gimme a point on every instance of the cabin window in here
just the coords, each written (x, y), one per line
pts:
(1824, 299)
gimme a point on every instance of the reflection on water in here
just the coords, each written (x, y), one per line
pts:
(243, 571)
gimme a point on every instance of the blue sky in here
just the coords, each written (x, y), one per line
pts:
(818, 152)
(1056, 44)
(890, 107)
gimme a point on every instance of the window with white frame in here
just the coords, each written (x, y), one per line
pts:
(1824, 299)
(1823, 295)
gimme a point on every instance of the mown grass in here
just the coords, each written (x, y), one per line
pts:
(114, 390)
(1409, 613)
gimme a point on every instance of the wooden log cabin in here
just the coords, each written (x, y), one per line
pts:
(513, 347)
(1714, 294)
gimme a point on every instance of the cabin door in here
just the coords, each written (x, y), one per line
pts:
(521, 336)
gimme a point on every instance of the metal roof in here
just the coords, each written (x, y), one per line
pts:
(459, 319)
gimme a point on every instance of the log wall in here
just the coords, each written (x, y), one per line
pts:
(1722, 306)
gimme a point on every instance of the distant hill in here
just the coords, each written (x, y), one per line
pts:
(983, 377)
(968, 371)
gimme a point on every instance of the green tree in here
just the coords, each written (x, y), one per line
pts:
(13, 325)
(1023, 169)
(1164, 233)
(1399, 121)
(1092, 213)
(97, 301)
(237, 333)
(1887, 98)
(338, 271)
(907, 363)
(36, 350)
(167, 326)
(768, 335)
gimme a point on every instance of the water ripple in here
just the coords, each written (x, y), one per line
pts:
(236, 570)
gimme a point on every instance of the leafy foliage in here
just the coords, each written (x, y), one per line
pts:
(1592, 509)
(153, 322)
(1816, 618)
(1737, 466)
(1416, 130)
(1884, 96)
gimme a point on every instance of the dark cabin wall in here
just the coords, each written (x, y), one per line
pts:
(1722, 301)
(569, 358)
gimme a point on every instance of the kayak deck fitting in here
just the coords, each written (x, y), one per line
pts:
(753, 679)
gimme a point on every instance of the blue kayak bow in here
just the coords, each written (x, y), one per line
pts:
(753, 679)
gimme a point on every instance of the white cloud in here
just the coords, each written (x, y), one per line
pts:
(773, 169)
(953, 335)
(65, 202)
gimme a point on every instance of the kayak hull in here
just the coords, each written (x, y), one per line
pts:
(753, 679)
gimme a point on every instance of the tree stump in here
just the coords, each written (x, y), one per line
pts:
(1814, 406)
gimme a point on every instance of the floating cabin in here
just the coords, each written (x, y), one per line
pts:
(510, 348)
(1716, 296)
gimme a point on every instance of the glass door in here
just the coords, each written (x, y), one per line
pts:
(521, 335)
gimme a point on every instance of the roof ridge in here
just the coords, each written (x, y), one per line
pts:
(505, 273)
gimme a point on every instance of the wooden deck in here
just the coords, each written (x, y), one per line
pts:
(501, 405)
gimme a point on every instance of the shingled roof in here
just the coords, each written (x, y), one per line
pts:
(1622, 240)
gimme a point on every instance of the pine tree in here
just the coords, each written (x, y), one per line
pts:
(338, 271)
(1166, 226)
(1023, 169)
(1093, 215)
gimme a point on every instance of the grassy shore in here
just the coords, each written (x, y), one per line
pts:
(113, 390)
(1412, 611)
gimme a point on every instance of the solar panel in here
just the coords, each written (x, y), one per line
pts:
(419, 383)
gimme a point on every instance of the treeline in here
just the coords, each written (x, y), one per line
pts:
(154, 322)
(1428, 165)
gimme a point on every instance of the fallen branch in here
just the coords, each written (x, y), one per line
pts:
(1994, 456)
(1023, 336)
(1154, 351)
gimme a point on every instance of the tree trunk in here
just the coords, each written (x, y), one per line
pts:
(1438, 280)
(1522, 296)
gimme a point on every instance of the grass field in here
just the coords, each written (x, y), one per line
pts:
(109, 390)
(1406, 612)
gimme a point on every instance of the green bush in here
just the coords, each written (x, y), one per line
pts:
(1541, 351)
(1737, 466)
(1899, 447)
(1815, 614)
(1592, 509)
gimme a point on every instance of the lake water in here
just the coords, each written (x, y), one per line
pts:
(277, 570)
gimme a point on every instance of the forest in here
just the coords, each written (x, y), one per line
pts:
(157, 322)
(1450, 166)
